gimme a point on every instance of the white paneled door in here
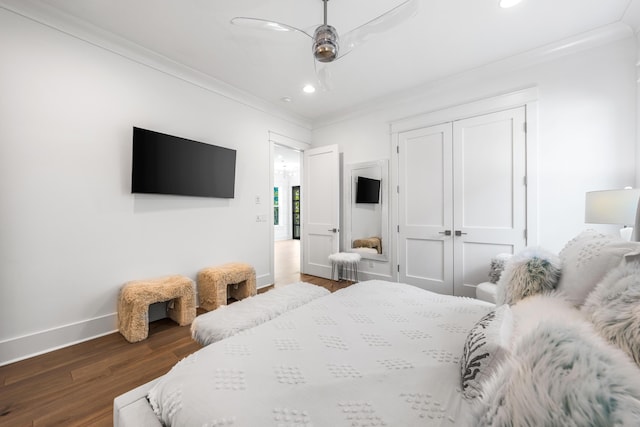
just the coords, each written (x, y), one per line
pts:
(462, 199)
(426, 208)
(321, 209)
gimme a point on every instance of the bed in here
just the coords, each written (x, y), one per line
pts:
(369, 352)
(389, 354)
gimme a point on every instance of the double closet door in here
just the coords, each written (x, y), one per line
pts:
(461, 199)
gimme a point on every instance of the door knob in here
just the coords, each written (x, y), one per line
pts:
(459, 233)
(445, 232)
(334, 230)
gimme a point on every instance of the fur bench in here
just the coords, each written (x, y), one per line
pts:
(229, 320)
(371, 242)
(136, 296)
(213, 282)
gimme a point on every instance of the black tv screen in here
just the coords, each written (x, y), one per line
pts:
(165, 164)
(367, 190)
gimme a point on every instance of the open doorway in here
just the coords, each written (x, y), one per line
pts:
(286, 214)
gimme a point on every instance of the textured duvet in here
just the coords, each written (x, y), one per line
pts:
(373, 354)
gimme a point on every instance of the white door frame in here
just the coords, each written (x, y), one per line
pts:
(285, 141)
(526, 97)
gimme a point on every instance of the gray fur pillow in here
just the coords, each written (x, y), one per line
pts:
(561, 374)
(496, 266)
(530, 272)
(614, 308)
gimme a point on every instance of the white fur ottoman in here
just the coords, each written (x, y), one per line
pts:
(229, 320)
(213, 282)
(345, 264)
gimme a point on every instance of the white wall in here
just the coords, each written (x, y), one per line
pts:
(586, 116)
(71, 232)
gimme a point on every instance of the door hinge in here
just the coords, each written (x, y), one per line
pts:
(524, 181)
(398, 268)
(525, 234)
(398, 229)
(524, 127)
(398, 189)
(398, 149)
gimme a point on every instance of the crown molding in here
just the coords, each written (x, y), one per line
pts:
(598, 37)
(55, 19)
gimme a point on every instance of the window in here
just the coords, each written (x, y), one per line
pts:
(276, 208)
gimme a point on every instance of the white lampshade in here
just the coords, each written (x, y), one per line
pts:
(612, 206)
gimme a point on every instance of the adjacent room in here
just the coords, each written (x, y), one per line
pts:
(309, 212)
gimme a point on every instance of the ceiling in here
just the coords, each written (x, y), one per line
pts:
(445, 37)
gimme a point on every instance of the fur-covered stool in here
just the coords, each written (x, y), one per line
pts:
(136, 296)
(345, 264)
(213, 282)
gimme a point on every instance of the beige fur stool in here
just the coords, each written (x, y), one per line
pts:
(213, 281)
(136, 296)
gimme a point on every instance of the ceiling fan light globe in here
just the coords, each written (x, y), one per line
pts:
(325, 43)
(325, 53)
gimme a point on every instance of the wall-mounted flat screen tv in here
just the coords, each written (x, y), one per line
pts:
(165, 164)
(367, 190)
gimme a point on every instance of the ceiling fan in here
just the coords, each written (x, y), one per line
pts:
(326, 45)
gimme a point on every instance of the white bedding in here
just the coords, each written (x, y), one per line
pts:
(375, 353)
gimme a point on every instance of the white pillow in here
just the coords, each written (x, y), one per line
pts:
(484, 349)
(587, 258)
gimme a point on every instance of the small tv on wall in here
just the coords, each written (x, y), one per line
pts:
(165, 164)
(367, 190)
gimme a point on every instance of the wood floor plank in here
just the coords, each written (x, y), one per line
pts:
(76, 385)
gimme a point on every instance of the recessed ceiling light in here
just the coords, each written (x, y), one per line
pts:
(508, 3)
(308, 89)
(285, 99)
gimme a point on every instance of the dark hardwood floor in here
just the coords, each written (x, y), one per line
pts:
(76, 385)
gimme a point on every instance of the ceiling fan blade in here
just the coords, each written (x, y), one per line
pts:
(382, 23)
(323, 75)
(264, 24)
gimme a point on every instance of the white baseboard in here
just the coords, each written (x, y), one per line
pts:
(364, 275)
(26, 346)
(264, 280)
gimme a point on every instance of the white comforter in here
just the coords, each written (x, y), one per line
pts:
(376, 353)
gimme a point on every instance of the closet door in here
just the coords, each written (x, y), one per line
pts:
(489, 193)
(461, 201)
(425, 251)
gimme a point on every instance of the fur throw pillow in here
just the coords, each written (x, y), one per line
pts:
(614, 308)
(496, 266)
(530, 272)
(549, 307)
(561, 374)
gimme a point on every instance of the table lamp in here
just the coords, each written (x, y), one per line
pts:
(614, 207)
